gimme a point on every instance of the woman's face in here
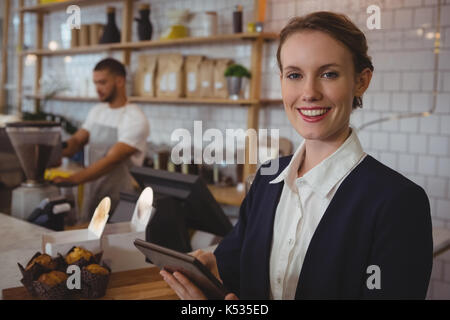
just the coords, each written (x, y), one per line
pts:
(317, 84)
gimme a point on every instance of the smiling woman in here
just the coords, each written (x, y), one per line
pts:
(333, 222)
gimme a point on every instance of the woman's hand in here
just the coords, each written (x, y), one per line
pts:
(184, 288)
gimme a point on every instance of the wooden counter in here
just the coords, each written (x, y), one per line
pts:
(227, 195)
(141, 284)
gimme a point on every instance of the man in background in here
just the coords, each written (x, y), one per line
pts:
(115, 132)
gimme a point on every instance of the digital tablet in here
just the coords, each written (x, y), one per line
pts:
(188, 265)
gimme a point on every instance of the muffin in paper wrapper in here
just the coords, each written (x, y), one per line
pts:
(94, 285)
(83, 262)
(33, 273)
(46, 292)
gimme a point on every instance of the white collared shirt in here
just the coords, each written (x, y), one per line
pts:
(303, 202)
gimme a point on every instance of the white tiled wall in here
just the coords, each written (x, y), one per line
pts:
(402, 53)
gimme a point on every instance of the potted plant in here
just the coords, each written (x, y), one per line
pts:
(235, 74)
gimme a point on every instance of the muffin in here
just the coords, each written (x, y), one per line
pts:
(51, 286)
(38, 264)
(94, 281)
(97, 269)
(44, 260)
(53, 278)
(77, 254)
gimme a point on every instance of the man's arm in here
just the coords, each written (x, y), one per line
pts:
(119, 152)
(76, 142)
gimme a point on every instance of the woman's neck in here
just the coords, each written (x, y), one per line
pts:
(318, 150)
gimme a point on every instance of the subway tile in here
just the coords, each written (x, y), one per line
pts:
(443, 169)
(367, 101)
(427, 81)
(392, 39)
(423, 17)
(376, 82)
(437, 223)
(391, 81)
(403, 18)
(390, 125)
(393, 4)
(444, 58)
(398, 142)
(426, 165)
(356, 118)
(446, 33)
(387, 19)
(445, 15)
(443, 209)
(411, 81)
(429, 124)
(370, 116)
(407, 163)
(381, 102)
(412, 3)
(443, 103)
(364, 138)
(438, 145)
(436, 186)
(446, 82)
(400, 102)
(375, 39)
(389, 159)
(422, 60)
(445, 124)
(410, 125)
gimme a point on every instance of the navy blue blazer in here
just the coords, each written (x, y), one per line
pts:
(377, 217)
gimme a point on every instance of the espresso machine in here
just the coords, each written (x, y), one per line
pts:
(34, 142)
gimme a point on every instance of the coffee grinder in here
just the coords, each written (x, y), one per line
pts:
(34, 142)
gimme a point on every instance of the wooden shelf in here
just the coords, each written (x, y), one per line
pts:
(192, 100)
(154, 44)
(58, 6)
(152, 100)
(271, 101)
(62, 98)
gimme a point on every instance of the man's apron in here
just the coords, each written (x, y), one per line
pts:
(101, 139)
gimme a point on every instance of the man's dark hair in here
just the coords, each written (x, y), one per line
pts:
(113, 66)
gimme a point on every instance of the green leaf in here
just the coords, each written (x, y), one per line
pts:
(237, 70)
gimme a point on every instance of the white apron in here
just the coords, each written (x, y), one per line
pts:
(101, 139)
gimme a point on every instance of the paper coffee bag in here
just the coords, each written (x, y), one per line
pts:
(220, 82)
(192, 70)
(145, 75)
(207, 78)
(170, 76)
